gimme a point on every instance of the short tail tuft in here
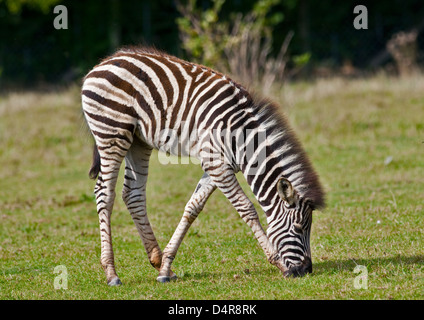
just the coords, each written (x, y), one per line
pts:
(95, 167)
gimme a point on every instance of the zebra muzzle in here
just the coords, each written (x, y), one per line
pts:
(299, 270)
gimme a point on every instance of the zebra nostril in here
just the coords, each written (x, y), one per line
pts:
(301, 269)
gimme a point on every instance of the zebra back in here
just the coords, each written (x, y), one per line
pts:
(190, 110)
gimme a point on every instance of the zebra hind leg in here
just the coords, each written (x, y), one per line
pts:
(134, 196)
(110, 162)
(194, 206)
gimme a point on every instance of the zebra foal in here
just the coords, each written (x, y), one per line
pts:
(139, 99)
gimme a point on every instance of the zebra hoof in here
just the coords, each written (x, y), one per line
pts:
(163, 279)
(115, 282)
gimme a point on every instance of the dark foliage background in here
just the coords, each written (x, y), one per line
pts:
(32, 51)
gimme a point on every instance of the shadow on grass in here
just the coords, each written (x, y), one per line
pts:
(235, 274)
(330, 266)
(322, 267)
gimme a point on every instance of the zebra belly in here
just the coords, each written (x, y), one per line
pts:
(171, 142)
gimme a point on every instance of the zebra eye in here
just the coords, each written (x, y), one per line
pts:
(297, 228)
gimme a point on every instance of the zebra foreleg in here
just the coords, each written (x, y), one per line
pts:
(194, 206)
(227, 182)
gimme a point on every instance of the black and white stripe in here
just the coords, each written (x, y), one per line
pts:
(141, 99)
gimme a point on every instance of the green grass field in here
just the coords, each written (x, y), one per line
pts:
(364, 137)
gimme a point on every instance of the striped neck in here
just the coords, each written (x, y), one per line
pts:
(262, 167)
(272, 151)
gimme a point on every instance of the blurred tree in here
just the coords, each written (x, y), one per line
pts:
(15, 6)
(33, 51)
(241, 44)
(205, 35)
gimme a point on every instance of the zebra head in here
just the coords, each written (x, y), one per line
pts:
(289, 228)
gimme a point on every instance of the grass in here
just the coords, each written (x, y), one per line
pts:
(365, 138)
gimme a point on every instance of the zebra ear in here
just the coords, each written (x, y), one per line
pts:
(285, 191)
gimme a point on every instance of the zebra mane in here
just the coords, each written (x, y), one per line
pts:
(142, 50)
(283, 141)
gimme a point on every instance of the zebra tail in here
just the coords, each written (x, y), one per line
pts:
(95, 166)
